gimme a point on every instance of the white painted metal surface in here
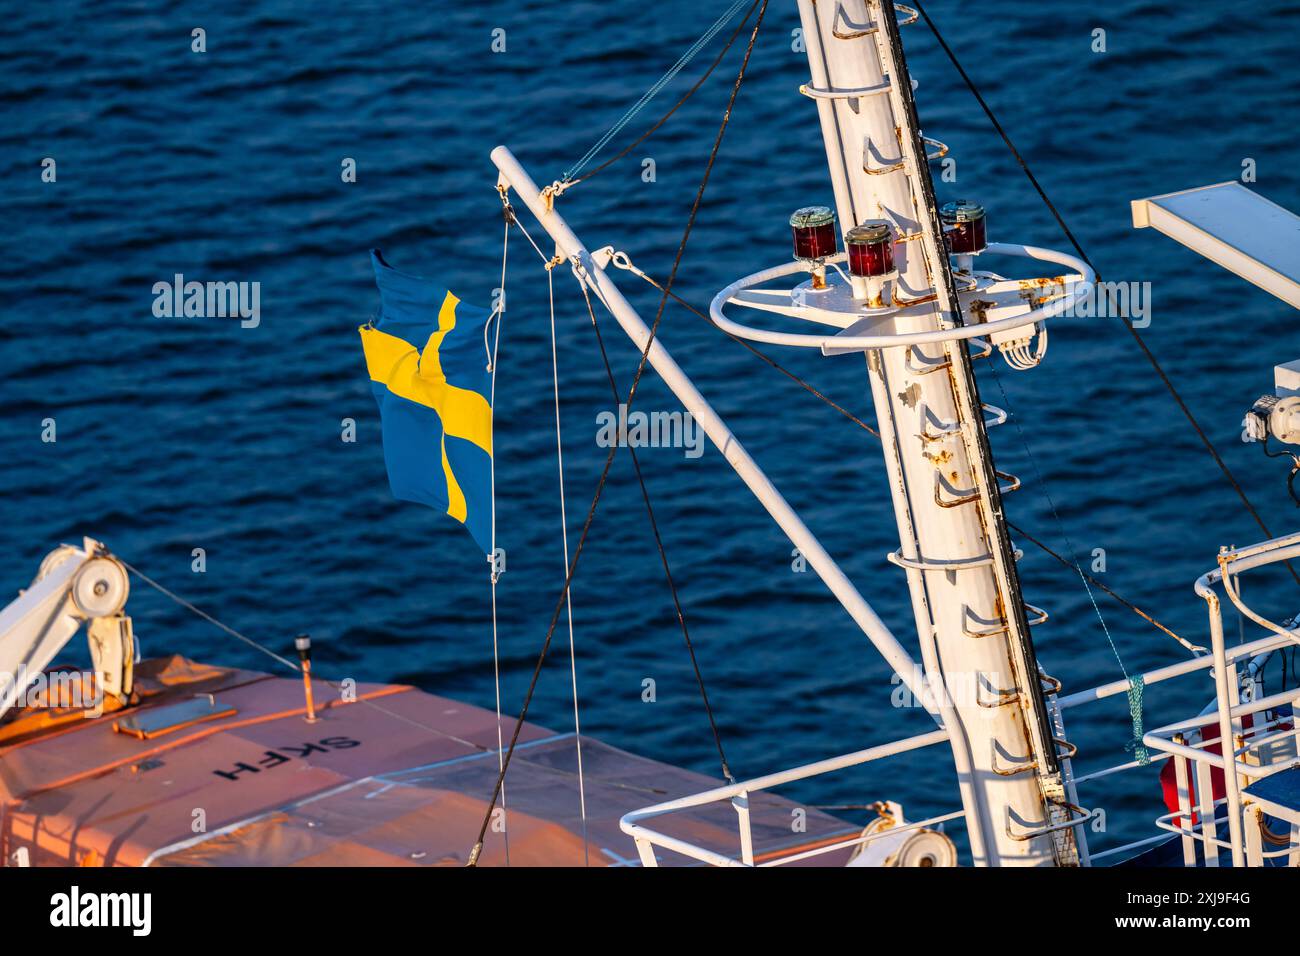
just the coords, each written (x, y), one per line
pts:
(1234, 227)
(897, 843)
(633, 824)
(1192, 763)
(73, 585)
(1286, 379)
(843, 311)
(1238, 744)
(1019, 800)
(932, 431)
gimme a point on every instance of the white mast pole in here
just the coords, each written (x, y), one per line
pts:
(945, 493)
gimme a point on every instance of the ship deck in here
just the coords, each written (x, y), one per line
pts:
(396, 777)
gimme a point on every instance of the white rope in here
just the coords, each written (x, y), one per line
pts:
(532, 242)
(549, 265)
(568, 599)
(492, 468)
(654, 90)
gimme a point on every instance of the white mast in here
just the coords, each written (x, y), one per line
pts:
(960, 565)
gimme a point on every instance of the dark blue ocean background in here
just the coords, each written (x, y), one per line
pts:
(176, 434)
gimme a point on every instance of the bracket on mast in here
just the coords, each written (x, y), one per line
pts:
(966, 497)
(1001, 697)
(856, 31)
(1084, 816)
(995, 628)
(814, 93)
(954, 564)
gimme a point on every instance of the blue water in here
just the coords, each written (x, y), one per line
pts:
(175, 434)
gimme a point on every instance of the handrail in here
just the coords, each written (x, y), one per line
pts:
(630, 823)
(1164, 749)
(1170, 671)
(1228, 708)
(1159, 740)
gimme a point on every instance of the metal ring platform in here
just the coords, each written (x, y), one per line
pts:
(1077, 287)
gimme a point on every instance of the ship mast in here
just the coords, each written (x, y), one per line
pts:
(960, 565)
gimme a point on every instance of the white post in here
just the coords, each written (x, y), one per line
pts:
(568, 244)
(1223, 703)
(946, 502)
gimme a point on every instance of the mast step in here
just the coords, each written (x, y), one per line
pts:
(855, 32)
(965, 497)
(852, 94)
(920, 564)
(1081, 817)
(1036, 616)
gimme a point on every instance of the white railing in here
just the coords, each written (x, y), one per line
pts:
(739, 793)
(1169, 743)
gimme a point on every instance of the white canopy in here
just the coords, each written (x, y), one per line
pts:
(1234, 227)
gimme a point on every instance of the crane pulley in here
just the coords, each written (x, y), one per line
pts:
(73, 585)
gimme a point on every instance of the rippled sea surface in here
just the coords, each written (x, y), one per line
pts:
(177, 434)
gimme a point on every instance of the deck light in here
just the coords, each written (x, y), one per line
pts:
(871, 249)
(871, 260)
(964, 227)
(814, 239)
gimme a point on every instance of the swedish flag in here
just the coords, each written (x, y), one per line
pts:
(428, 368)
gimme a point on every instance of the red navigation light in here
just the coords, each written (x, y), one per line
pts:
(814, 233)
(964, 227)
(871, 249)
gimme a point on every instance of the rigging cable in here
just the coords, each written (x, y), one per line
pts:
(609, 459)
(494, 573)
(655, 88)
(1146, 350)
(663, 556)
(568, 592)
(1135, 684)
(663, 119)
(353, 700)
(292, 665)
(645, 495)
(623, 262)
(1194, 648)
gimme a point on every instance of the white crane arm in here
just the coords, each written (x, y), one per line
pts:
(73, 585)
